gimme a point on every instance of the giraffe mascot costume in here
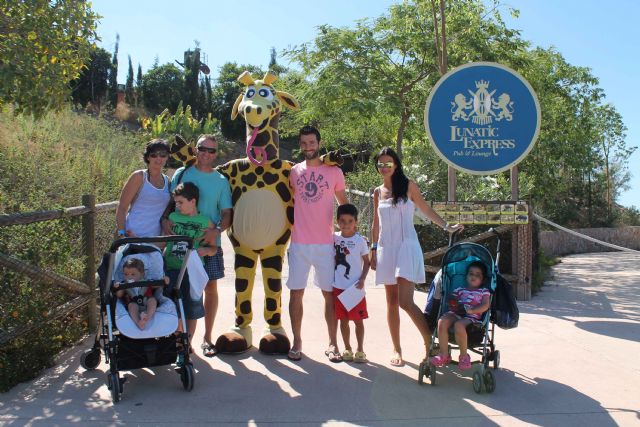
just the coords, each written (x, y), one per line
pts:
(262, 213)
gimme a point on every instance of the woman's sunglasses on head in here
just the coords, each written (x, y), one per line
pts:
(381, 165)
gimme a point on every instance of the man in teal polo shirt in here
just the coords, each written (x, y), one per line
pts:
(214, 202)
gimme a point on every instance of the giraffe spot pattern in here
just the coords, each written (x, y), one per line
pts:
(245, 307)
(272, 151)
(243, 166)
(275, 285)
(241, 286)
(290, 214)
(243, 261)
(283, 191)
(275, 319)
(270, 178)
(239, 320)
(259, 170)
(234, 241)
(249, 179)
(274, 262)
(283, 239)
(237, 192)
(271, 304)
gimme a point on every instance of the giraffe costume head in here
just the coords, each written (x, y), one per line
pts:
(260, 106)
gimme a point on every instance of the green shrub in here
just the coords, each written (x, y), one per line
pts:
(49, 164)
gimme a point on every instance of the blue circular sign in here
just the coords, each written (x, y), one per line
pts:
(482, 118)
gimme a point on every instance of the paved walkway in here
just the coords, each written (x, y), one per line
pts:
(571, 362)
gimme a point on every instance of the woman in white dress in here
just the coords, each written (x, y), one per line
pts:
(396, 255)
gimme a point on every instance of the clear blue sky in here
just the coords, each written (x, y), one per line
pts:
(602, 36)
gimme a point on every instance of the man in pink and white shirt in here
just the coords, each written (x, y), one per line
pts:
(315, 186)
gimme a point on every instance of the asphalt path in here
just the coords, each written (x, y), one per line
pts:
(571, 362)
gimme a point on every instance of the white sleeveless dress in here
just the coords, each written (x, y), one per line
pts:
(399, 253)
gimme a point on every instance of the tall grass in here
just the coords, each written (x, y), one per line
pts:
(46, 164)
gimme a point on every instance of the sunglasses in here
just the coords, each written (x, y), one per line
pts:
(162, 154)
(381, 165)
(207, 150)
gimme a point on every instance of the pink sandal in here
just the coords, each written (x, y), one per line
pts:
(464, 362)
(440, 360)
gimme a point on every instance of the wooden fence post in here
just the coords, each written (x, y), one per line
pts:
(88, 243)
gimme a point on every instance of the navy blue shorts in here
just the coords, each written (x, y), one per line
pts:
(193, 309)
(214, 265)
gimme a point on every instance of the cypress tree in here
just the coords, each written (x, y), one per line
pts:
(129, 97)
(138, 91)
(113, 75)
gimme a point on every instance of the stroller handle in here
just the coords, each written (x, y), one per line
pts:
(452, 237)
(140, 284)
(157, 239)
(494, 231)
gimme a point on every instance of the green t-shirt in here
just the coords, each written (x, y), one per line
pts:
(215, 193)
(192, 226)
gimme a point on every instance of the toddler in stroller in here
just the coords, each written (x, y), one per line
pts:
(466, 306)
(459, 300)
(131, 342)
(141, 303)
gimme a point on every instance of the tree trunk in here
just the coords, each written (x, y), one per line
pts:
(400, 135)
(606, 170)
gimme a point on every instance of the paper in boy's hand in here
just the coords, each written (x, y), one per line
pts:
(351, 296)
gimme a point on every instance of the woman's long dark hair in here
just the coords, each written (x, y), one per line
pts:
(399, 181)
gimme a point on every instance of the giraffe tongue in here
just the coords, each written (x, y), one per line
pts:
(260, 151)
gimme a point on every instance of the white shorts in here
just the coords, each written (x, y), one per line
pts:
(304, 256)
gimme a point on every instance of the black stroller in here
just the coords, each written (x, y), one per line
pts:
(125, 346)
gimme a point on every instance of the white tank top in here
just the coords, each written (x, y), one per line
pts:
(145, 212)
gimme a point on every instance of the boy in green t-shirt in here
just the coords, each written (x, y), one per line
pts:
(187, 222)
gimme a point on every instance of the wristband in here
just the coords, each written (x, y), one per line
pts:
(122, 233)
(374, 246)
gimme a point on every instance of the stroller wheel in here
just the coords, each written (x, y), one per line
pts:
(477, 382)
(432, 375)
(187, 376)
(489, 381)
(496, 359)
(115, 386)
(90, 359)
(423, 370)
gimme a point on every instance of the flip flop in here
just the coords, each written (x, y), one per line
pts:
(347, 355)
(360, 357)
(333, 355)
(396, 360)
(294, 355)
(208, 349)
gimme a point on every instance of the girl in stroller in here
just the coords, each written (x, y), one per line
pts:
(466, 306)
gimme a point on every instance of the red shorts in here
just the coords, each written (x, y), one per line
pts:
(359, 312)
